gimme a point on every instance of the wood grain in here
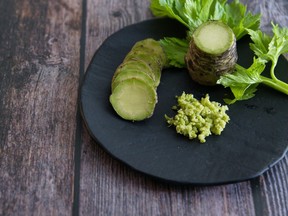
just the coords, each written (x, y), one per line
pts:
(44, 50)
(114, 189)
(39, 79)
(106, 17)
(136, 194)
(272, 189)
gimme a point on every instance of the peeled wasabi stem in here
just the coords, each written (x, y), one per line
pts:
(153, 60)
(133, 99)
(135, 65)
(212, 52)
(135, 81)
(152, 45)
(132, 73)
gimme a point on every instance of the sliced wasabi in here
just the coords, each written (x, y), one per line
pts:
(129, 74)
(152, 61)
(133, 99)
(134, 65)
(151, 44)
(136, 79)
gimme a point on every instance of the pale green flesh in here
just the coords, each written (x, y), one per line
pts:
(152, 46)
(135, 81)
(134, 99)
(129, 74)
(150, 60)
(135, 65)
(213, 37)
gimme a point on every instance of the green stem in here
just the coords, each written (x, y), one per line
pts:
(276, 84)
(272, 71)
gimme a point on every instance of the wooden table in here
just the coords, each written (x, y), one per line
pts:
(49, 163)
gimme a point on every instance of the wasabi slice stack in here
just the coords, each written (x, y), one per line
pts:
(135, 81)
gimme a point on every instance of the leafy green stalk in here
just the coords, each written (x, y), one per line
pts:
(176, 49)
(276, 84)
(243, 82)
(193, 13)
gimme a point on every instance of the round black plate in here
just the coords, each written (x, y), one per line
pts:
(254, 140)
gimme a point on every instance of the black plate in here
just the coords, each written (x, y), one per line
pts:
(254, 140)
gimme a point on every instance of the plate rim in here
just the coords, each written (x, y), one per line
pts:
(81, 109)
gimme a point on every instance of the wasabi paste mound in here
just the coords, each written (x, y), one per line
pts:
(198, 118)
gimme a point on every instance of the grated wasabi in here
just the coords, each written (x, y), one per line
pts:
(198, 118)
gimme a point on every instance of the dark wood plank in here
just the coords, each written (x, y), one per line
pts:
(274, 189)
(271, 190)
(106, 17)
(39, 63)
(110, 188)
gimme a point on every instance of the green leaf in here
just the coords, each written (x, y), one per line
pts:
(193, 13)
(218, 11)
(278, 44)
(269, 48)
(175, 50)
(242, 92)
(237, 17)
(260, 43)
(169, 8)
(243, 82)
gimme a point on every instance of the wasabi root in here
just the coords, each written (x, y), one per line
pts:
(212, 52)
(198, 119)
